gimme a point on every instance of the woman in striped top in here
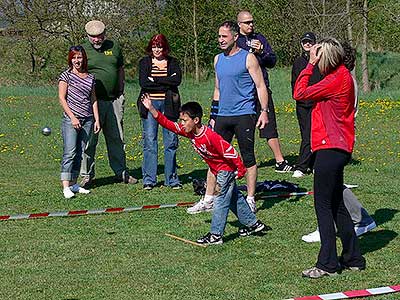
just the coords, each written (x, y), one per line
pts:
(159, 76)
(80, 118)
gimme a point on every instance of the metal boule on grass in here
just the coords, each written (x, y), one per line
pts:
(46, 131)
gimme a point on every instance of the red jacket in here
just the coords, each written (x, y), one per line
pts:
(332, 118)
(216, 152)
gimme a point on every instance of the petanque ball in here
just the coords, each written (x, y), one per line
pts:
(46, 131)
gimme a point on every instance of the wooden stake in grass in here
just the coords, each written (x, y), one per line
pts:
(185, 240)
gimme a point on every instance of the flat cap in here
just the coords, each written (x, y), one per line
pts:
(94, 27)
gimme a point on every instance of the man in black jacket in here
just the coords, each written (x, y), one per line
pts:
(257, 44)
(304, 108)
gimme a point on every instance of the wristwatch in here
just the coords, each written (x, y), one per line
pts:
(264, 110)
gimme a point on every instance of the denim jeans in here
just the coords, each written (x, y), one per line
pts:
(229, 197)
(150, 150)
(74, 141)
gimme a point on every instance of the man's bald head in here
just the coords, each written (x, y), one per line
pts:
(245, 22)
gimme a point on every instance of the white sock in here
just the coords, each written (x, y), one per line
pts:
(250, 198)
(209, 198)
(68, 194)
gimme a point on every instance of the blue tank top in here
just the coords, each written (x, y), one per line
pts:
(236, 87)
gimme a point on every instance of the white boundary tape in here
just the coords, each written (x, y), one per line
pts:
(352, 294)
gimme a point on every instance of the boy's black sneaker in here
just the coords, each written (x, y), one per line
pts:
(259, 226)
(283, 167)
(210, 239)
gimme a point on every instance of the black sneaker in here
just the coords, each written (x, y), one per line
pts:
(148, 187)
(283, 167)
(246, 231)
(126, 178)
(210, 239)
(176, 186)
(86, 182)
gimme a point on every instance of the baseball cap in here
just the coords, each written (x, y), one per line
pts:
(309, 36)
(94, 27)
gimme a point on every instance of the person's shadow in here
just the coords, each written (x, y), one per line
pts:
(378, 239)
(109, 180)
(269, 200)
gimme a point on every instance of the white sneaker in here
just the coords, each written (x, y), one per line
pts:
(312, 237)
(68, 194)
(77, 189)
(298, 174)
(201, 206)
(364, 229)
(252, 203)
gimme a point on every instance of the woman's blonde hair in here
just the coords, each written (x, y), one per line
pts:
(332, 55)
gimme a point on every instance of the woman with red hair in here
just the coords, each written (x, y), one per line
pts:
(159, 76)
(78, 100)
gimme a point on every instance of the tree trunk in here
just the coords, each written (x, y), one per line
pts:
(349, 23)
(364, 49)
(196, 55)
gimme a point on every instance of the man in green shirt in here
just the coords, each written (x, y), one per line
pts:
(106, 62)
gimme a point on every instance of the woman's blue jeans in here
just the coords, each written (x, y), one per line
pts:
(229, 197)
(74, 141)
(150, 150)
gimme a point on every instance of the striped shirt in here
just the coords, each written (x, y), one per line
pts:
(158, 71)
(79, 91)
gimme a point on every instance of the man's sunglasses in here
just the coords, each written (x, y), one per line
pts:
(248, 22)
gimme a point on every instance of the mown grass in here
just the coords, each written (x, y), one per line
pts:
(127, 256)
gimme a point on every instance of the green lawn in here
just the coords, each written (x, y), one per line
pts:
(128, 256)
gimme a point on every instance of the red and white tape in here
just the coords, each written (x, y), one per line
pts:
(72, 213)
(353, 294)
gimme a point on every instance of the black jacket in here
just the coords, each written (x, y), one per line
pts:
(299, 65)
(168, 84)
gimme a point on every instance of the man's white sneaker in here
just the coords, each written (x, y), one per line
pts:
(77, 189)
(201, 206)
(312, 237)
(252, 203)
(298, 174)
(364, 229)
(68, 194)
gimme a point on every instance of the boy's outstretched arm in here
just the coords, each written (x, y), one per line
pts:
(147, 103)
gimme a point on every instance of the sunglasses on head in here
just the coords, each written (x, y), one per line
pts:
(248, 22)
(76, 48)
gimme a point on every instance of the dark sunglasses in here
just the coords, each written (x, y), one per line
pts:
(248, 22)
(76, 48)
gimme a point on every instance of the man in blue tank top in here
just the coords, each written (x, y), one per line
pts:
(238, 75)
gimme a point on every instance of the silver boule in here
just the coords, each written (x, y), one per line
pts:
(46, 131)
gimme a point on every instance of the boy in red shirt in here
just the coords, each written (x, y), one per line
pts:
(224, 162)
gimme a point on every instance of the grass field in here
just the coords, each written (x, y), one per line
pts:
(128, 256)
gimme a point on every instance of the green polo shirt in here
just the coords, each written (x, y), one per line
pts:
(104, 64)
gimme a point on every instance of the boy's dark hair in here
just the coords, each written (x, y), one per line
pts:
(233, 26)
(349, 60)
(192, 109)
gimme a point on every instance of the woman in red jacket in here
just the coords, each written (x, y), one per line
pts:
(332, 142)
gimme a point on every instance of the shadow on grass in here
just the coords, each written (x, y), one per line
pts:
(270, 202)
(376, 240)
(354, 162)
(233, 236)
(383, 215)
(109, 180)
(137, 173)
